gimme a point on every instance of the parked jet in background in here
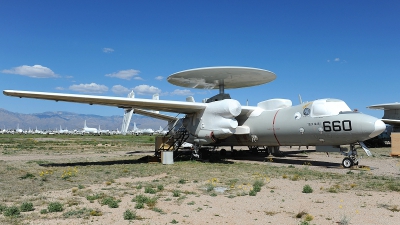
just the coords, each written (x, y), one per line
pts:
(38, 131)
(19, 130)
(89, 130)
(161, 131)
(106, 132)
(136, 131)
(61, 131)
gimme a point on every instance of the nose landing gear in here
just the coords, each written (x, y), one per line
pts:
(351, 158)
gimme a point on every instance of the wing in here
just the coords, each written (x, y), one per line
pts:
(148, 104)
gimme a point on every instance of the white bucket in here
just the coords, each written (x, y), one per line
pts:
(167, 157)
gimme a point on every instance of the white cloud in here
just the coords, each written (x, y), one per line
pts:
(146, 90)
(89, 88)
(138, 78)
(119, 89)
(159, 78)
(60, 88)
(184, 92)
(337, 59)
(124, 74)
(108, 50)
(36, 71)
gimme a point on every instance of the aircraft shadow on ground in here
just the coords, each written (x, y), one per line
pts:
(97, 163)
(288, 157)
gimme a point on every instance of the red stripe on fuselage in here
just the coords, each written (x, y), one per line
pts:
(273, 128)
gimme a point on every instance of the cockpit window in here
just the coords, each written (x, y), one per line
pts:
(328, 107)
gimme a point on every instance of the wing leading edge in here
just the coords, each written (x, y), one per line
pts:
(148, 104)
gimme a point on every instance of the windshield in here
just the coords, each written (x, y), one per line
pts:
(328, 107)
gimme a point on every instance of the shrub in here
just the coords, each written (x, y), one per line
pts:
(91, 198)
(44, 211)
(26, 207)
(55, 207)
(149, 190)
(140, 199)
(139, 205)
(182, 181)
(257, 185)
(12, 211)
(129, 215)
(2, 208)
(26, 176)
(307, 189)
(151, 202)
(111, 202)
(176, 193)
(253, 193)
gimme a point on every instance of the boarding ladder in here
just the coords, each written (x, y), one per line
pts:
(171, 142)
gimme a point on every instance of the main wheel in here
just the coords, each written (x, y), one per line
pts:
(347, 162)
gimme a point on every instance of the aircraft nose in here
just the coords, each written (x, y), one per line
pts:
(379, 128)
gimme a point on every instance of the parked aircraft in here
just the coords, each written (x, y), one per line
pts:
(19, 130)
(38, 131)
(136, 131)
(89, 130)
(391, 114)
(61, 131)
(222, 121)
(106, 132)
(161, 131)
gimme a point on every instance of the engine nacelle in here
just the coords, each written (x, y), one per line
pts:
(208, 136)
(217, 121)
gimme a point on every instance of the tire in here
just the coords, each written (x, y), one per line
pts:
(347, 162)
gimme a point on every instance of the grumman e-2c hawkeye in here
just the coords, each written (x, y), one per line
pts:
(222, 121)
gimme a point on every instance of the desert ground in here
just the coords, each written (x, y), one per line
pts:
(111, 181)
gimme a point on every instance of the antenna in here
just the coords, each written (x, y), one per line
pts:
(301, 101)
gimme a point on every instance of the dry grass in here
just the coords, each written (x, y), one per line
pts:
(21, 178)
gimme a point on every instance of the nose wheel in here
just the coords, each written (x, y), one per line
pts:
(350, 161)
(351, 157)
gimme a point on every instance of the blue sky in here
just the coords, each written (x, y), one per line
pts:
(348, 50)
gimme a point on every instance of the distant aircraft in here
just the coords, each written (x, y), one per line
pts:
(89, 130)
(19, 130)
(106, 132)
(38, 131)
(136, 131)
(161, 131)
(61, 131)
(222, 121)
(117, 132)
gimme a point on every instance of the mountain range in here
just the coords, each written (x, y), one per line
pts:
(69, 120)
